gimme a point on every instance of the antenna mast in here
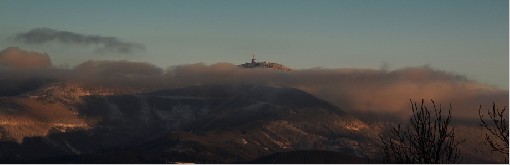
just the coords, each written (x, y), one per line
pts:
(253, 61)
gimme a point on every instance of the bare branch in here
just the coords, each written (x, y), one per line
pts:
(427, 139)
(497, 127)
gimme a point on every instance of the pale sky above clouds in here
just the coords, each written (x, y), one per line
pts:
(468, 37)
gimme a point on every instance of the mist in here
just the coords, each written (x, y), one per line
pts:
(360, 90)
(353, 90)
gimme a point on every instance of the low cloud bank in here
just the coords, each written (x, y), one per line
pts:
(355, 90)
(16, 58)
(363, 90)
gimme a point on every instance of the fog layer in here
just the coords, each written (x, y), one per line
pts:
(355, 90)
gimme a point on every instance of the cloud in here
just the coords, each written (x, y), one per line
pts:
(361, 91)
(13, 57)
(46, 35)
(117, 68)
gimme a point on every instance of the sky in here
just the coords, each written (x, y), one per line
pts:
(466, 37)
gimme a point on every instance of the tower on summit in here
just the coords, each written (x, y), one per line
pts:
(253, 60)
(264, 64)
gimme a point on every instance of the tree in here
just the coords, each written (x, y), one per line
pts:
(498, 127)
(426, 139)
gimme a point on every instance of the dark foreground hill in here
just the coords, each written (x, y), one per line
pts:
(309, 157)
(211, 123)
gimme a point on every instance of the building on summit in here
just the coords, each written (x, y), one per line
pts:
(266, 65)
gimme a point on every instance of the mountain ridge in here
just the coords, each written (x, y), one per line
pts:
(215, 123)
(263, 119)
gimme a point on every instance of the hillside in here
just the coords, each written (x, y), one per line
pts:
(71, 123)
(229, 123)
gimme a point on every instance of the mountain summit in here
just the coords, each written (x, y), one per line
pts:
(268, 65)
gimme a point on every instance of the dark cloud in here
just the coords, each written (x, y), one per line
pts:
(13, 57)
(45, 35)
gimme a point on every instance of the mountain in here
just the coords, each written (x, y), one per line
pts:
(222, 123)
(63, 122)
